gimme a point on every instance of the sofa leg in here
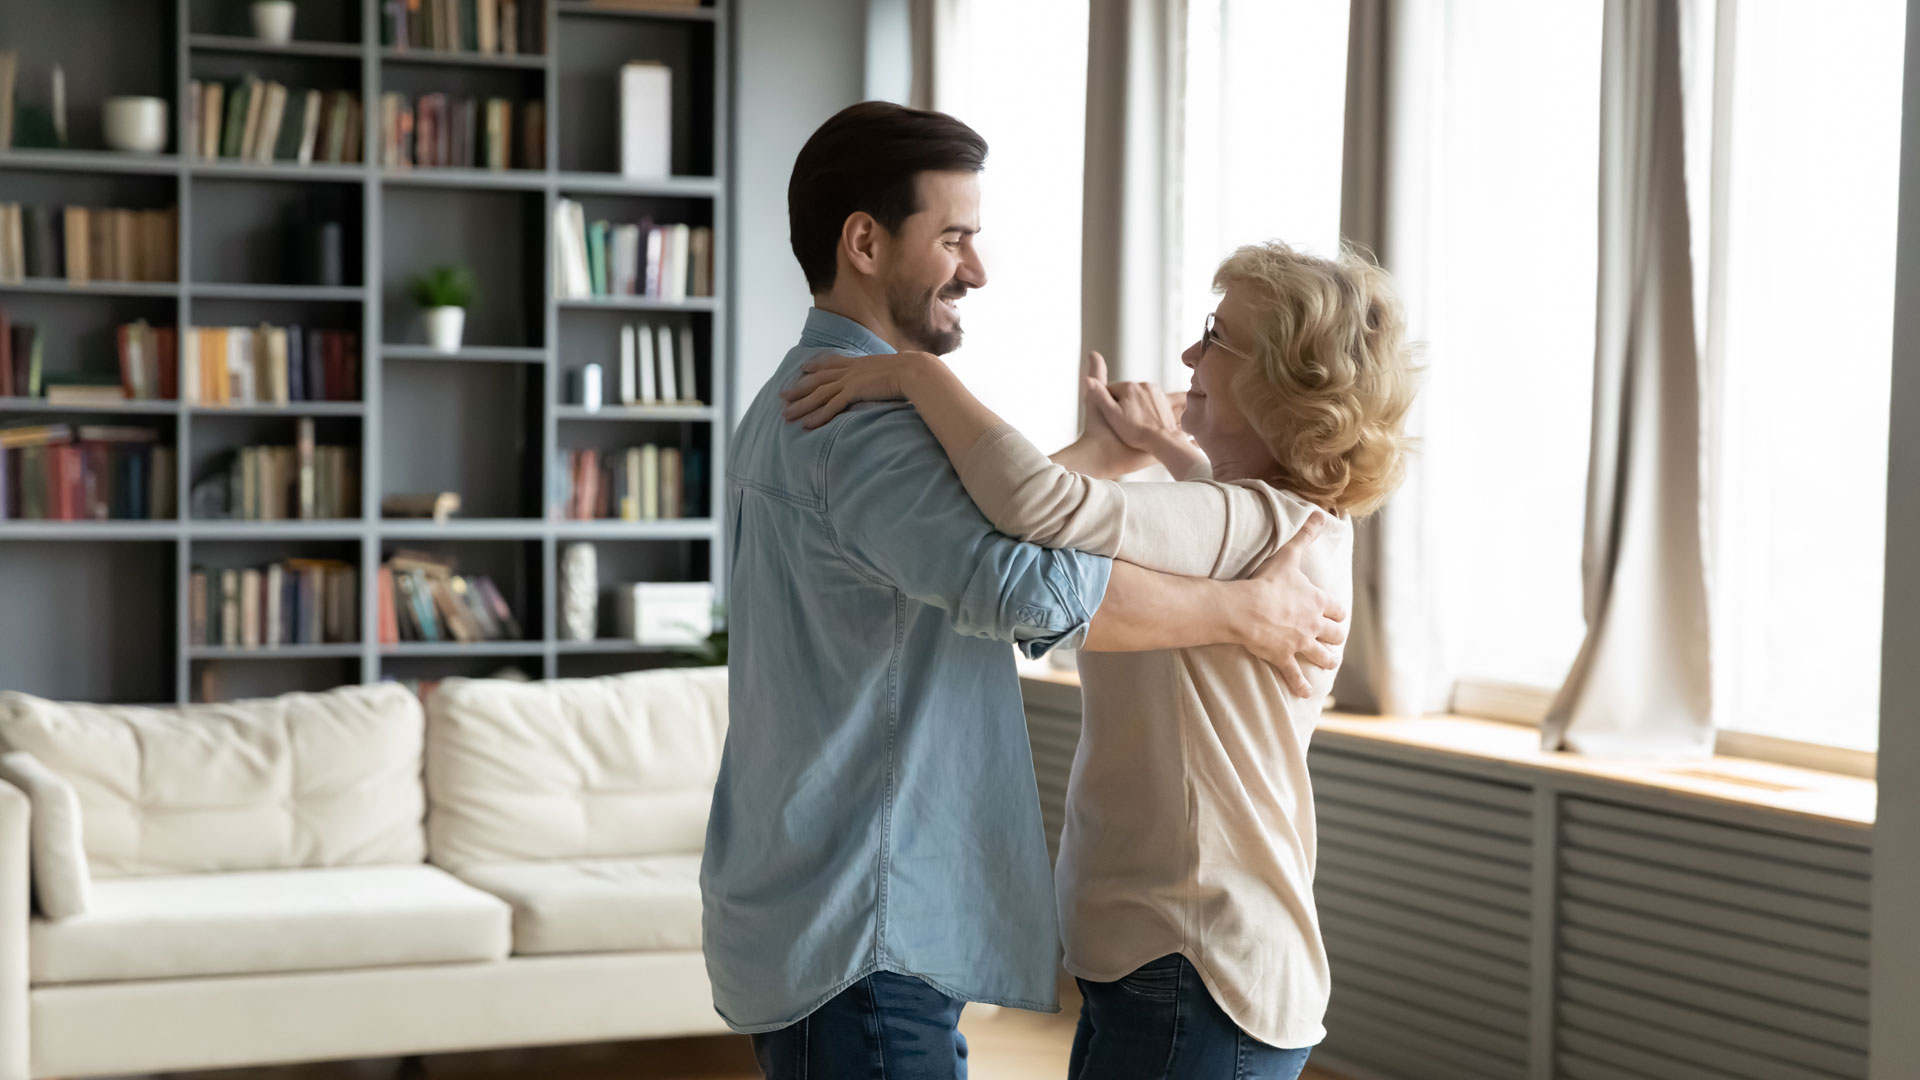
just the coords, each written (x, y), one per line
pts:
(413, 1068)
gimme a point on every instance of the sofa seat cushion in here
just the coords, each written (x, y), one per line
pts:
(645, 904)
(270, 921)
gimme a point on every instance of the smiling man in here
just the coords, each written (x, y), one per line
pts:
(875, 857)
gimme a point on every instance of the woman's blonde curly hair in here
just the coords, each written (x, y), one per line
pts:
(1332, 375)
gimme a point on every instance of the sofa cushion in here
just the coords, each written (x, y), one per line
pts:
(611, 767)
(257, 922)
(647, 904)
(61, 884)
(301, 780)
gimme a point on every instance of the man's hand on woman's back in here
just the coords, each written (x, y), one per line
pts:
(1286, 619)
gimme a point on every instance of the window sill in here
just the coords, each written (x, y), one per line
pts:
(1813, 794)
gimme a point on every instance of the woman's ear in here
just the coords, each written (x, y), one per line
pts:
(860, 240)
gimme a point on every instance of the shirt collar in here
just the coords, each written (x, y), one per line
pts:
(824, 329)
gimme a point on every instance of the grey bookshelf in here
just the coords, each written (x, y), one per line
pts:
(98, 610)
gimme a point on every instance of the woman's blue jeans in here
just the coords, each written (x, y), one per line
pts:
(1159, 1023)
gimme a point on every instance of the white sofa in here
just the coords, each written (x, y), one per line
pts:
(337, 875)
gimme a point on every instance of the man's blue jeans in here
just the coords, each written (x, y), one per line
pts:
(1159, 1023)
(884, 1027)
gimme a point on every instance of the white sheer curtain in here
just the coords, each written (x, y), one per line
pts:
(1259, 151)
(1017, 72)
(1812, 129)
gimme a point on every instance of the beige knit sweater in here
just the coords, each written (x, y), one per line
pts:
(1190, 824)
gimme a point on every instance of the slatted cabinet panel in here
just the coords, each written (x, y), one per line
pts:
(1425, 899)
(1692, 950)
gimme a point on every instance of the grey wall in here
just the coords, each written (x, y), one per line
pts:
(1896, 863)
(795, 64)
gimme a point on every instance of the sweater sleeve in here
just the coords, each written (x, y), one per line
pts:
(1195, 528)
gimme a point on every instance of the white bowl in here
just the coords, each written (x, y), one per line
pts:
(135, 124)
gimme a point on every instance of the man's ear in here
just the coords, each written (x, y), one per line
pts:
(861, 238)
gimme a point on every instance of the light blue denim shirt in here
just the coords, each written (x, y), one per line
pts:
(876, 808)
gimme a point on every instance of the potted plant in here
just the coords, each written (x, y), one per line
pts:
(444, 293)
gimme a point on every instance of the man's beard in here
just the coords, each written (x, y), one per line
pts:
(912, 313)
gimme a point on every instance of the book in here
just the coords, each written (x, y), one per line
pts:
(669, 370)
(629, 376)
(267, 145)
(533, 135)
(646, 120)
(273, 628)
(309, 128)
(597, 256)
(689, 392)
(235, 127)
(9, 72)
(197, 607)
(308, 478)
(388, 622)
(257, 93)
(649, 373)
(230, 608)
(212, 107)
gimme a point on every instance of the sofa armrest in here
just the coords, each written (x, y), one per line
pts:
(15, 905)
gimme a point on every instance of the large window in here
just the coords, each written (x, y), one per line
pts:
(1017, 72)
(1260, 148)
(1506, 313)
(1800, 479)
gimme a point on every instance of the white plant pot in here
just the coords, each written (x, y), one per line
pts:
(445, 325)
(273, 21)
(135, 124)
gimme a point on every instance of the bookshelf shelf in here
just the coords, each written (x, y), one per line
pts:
(461, 59)
(616, 647)
(487, 179)
(16, 405)
(642, 303)
(333, 50)
(63, 287)
(486, 420)
(92, 161)
(669, 187)
(463, 529)
(233, 169)
(334, 529)
(463, 648)
(90, 530)
(291, 408)
(685, 529)
(273, 652)
(487, 354)
(700, 14)
(326, 293)
(671, 413)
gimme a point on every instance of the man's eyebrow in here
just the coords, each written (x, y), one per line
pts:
(963, 230)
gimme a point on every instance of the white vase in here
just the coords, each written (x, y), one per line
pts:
(273, 21)
(135, 124)
(579, 593)
(445, 325)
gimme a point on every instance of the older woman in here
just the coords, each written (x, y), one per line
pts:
(1186, 865)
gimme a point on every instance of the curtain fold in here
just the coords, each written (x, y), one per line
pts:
(1392, 665)
(1641, 685)
(1136, 52)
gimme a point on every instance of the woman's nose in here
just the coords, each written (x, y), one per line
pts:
(1191, 357)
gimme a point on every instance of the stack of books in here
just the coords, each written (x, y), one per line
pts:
(297, 602)
(422, 599)
(671, 262)
(641, 483)
(270, 365)
(437, 131)
(265, 122)
(302, 482)
(22, 358)
(657, 365)
(54, 472)
(85, 244)
(487, 27)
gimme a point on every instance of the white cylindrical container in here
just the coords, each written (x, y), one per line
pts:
(590, 393)
(579, 593)
(135, 124)
(445, 325)
(273, 21)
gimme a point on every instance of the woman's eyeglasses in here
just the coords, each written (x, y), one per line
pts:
(1210, 336)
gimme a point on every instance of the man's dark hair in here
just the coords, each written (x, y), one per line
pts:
(867, 158)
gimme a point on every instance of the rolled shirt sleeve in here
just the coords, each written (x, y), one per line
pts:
(898, 512)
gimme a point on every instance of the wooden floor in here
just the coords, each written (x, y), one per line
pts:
(1004, 1044)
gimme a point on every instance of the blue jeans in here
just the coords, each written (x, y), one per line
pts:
(1159, 1023)
(884, 1027)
